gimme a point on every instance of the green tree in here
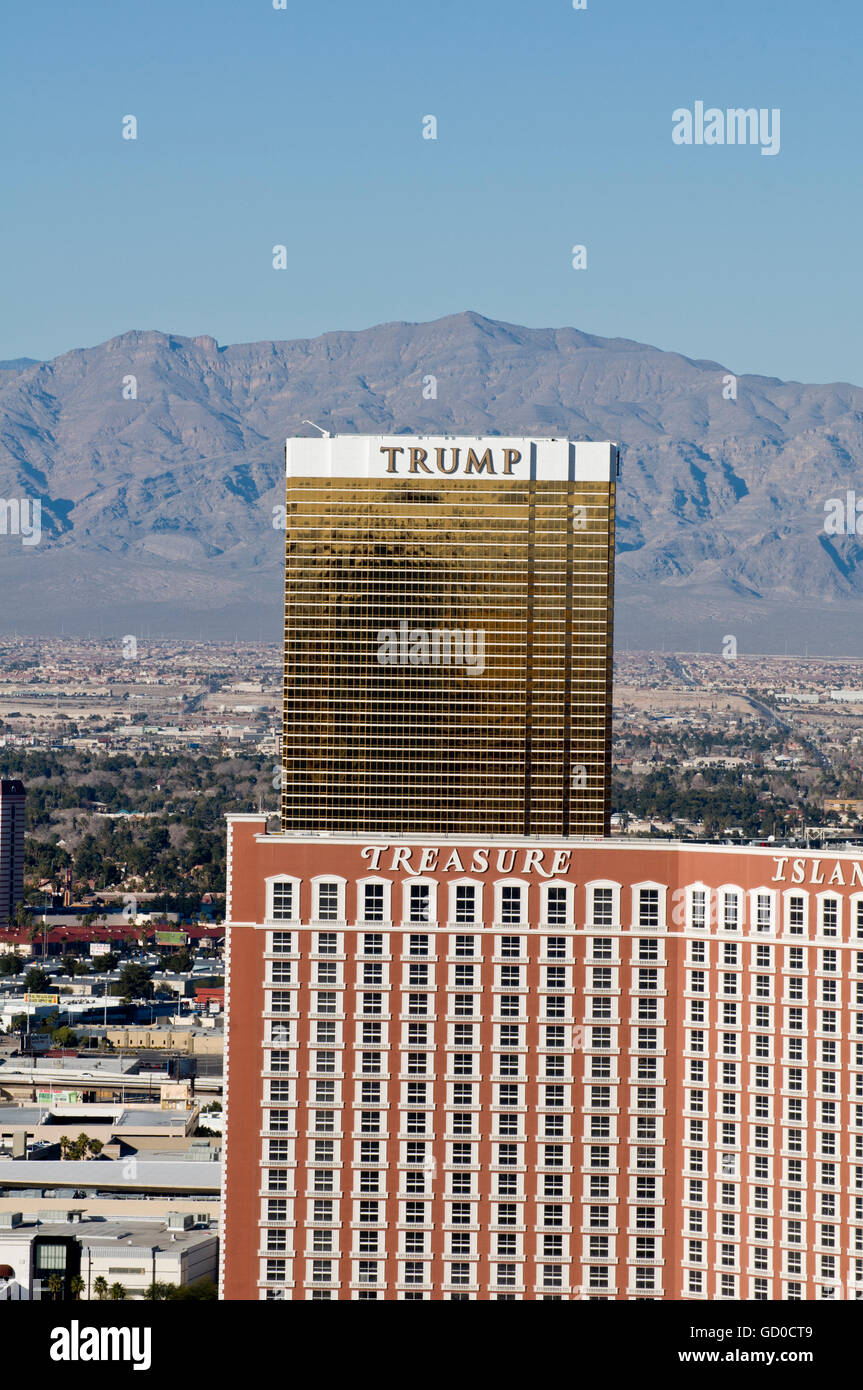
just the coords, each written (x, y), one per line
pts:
(10, 963)
(64, 1037)
(76, 1286)
(100, 1288)
(135, 982)
(160, 1292)
(117, 1293)
(20, 917)
(36, 981)
(200, 1289)
(180, 962)
(55, 1286)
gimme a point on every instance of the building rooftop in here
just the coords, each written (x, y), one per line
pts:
(96, 1231)
(118, 1117)
(127, 1175)
(70, 1068)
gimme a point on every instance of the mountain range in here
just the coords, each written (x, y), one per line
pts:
(159, 462)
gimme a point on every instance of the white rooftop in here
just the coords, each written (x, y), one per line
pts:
(481, 459)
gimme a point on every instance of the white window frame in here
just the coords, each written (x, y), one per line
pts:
(754, 894)
(795, 891)
(524, 900)
(615, 904)
(419, 881)
(820, 900)
(270, 883)
(570, 902)
(662, 906)
(465, 882)
(728, 890)
(340, 919)
(691, 890)
(387, 886)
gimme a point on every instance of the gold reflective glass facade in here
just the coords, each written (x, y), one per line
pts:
(448, 655)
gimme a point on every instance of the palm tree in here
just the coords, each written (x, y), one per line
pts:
(100, 1288)
(76, 1286)
(65, 1145)
(117, 1293)
(55, 1286)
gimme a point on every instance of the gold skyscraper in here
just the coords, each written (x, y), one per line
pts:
(448, 635)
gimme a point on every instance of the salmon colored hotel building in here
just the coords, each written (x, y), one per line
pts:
(476, 1048)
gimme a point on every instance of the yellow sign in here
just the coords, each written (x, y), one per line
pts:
(41, 999)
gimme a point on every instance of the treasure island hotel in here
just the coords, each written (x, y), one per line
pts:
(476, 1048)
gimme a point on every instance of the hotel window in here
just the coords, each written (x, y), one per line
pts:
(510, 904)
(281, 943)
(648, 907)
(698, 908)
(556, 907)
(509, 947)
(465, 946)
(373, 902)
(418, 975)
(763, 912)
(556, 948)
(858, 919)
(281, 901)
(796, 915)
(326, 972)
(419, 902)
(328, 902)
(829, 917)
(730, 911)
(465, 902)
(326, 943)
(372, 977)
(603, 907)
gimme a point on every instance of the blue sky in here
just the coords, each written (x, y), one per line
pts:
(303, 127)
